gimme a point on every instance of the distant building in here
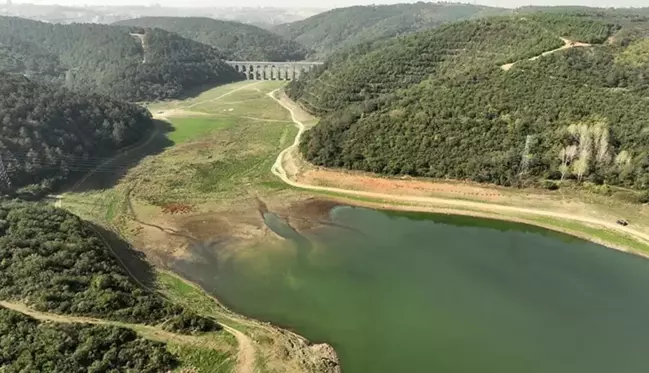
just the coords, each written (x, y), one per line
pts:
(8, 2)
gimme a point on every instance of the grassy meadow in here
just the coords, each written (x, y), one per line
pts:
(221, 145)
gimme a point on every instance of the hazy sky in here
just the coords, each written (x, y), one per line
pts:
(330, 3)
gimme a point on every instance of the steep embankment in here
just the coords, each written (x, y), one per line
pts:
(108, 60)
(343, 28)
(236, 41)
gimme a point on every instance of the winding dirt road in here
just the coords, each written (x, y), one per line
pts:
(433, 202)
(246, 356)
(148, 330)
(566, 45)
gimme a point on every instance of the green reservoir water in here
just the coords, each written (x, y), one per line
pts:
(431, 293)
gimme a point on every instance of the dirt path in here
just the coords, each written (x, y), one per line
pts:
(280, 171)
(140, 37)
(246, 356)
(567, 44)
(147, 330)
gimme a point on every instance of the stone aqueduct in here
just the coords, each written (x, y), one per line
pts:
(260, 70)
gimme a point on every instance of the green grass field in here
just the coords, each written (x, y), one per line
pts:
(219, 155)
(222, 149)
(190, 128)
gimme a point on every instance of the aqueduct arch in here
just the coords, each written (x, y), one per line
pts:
(262, 70)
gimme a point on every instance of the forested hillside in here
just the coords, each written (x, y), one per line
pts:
(367, 72)
(109, 60)
(55, 262)
(578, 114)
(236, 41)
(29, 345)
(47, 131)
(342, 28)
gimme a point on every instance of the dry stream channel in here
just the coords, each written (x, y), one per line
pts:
(409, 292)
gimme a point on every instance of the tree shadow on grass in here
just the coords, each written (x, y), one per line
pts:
(196, 91)
(106, 175)
(131, 259)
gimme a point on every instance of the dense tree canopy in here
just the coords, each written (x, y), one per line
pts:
(236, 41)
(342, 28)
(55, 262)
(149, 64)
(28, 345)
(367, 71)
(579, 113)
(47, 130)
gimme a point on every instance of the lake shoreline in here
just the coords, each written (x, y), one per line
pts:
(392, 206)
(291, 168)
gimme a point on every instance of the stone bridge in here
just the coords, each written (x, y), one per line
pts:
(260, 70)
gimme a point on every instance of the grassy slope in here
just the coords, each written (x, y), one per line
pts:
(223, 138)
(224, 148)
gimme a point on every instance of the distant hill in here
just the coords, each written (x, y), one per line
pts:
(342, 28)
(439, 104)
(236, 41)
(48, 130)
(107, 59)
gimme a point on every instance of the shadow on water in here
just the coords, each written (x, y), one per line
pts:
(201, 267)
(283, 229)
(108, 174)
(477, 222)
(134, 260)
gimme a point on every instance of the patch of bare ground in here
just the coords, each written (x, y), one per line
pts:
(220, 230)
(300, 114)
(178, 112)
(405, 185)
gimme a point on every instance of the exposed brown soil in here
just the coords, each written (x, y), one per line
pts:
(177, 208)
(407, 186)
